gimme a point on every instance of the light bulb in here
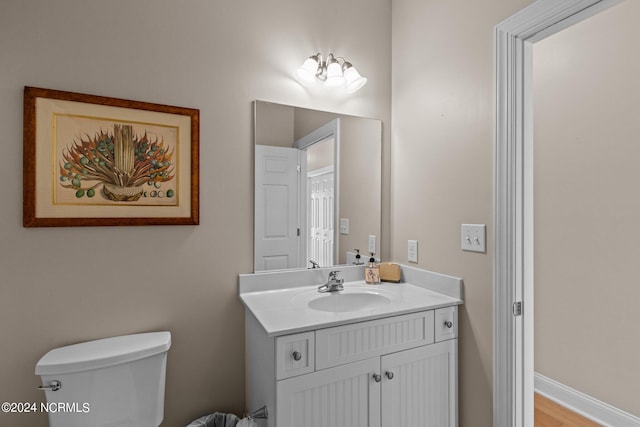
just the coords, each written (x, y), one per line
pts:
(307, 72)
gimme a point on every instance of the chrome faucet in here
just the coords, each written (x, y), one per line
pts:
(334, 284)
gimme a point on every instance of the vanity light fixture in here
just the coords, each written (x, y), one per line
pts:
(335, 72)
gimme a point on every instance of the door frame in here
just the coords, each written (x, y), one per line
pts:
(513, 199)
(328, 130)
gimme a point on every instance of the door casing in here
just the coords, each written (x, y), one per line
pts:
(513, 199)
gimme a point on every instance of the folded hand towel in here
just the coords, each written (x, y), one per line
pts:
(390, 272)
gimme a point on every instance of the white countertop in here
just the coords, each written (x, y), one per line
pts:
(286, 311)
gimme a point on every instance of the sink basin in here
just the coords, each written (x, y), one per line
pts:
(345, 301)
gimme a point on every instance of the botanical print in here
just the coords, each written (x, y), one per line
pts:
(107, 162)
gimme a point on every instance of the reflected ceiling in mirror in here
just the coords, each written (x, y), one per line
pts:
(317, 193)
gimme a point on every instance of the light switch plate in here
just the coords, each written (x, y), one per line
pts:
(372, 244)
(344, 225)
(412, 250)
(474, 237)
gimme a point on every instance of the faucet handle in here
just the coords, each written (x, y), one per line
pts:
(334, 274)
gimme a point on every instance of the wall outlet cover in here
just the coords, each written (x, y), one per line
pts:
(412, 251)
(474, 237)
(372, 244)
(344, 225)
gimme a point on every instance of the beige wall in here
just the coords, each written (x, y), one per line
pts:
(321, 155)
(587, 207)
(273, 124)
(443, 162)
(61, 286)
(360, 198)
(306, 121)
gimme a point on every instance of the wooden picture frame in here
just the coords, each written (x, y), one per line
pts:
(97, 161)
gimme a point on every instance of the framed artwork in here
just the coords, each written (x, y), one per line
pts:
(92, 160)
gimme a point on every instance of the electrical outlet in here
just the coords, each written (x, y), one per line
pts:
(344, 225)
(372, 243)
(412, 251)
(474, 237)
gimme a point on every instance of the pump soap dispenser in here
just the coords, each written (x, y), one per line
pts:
(372, 271)
(358, 257)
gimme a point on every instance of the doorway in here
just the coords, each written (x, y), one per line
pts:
(320, 148)
(513, 200)
(320, 188)
(296, 202)
(585, 253)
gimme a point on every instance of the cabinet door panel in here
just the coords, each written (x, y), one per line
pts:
(422, 390)
(345, 396)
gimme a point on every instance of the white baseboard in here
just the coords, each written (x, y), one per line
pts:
(583, 404)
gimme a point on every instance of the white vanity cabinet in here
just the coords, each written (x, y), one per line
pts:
(388, 372)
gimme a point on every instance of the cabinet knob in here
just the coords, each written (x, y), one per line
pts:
(377, 378)
(448, 323)
(297, 355)
(389, 374)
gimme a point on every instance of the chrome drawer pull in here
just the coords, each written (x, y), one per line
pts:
(389, 375)
(297, 355)
(377, 378)
(448, 323)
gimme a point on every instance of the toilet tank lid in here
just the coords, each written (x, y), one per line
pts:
(103, 353)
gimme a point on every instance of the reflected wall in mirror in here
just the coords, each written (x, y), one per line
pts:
(318, 185)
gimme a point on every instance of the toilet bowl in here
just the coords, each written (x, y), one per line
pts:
(111, 382)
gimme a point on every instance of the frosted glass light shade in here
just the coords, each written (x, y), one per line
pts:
(335, 72)
(334, 76)
(354, 80)
(307, 72)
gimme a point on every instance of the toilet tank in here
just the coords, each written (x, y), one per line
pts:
(111, 382)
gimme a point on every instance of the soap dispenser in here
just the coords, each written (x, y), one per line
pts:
(358, 258)
(372, 271)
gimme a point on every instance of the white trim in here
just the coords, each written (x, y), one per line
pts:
(320, 171)
(325, 131)
(583, 404)
(513, 199)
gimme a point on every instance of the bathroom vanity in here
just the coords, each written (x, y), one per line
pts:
(369, 356)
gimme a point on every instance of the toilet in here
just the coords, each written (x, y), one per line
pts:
(111, 382)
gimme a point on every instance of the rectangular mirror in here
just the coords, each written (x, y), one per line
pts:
(318, 185)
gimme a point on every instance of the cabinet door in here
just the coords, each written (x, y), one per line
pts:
(344, 396)
(419, 387)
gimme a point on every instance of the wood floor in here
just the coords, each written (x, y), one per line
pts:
(550, 414)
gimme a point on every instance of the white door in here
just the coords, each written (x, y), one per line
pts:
(344, 396)
(321, 217)
(419, 387)
(276, 227)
